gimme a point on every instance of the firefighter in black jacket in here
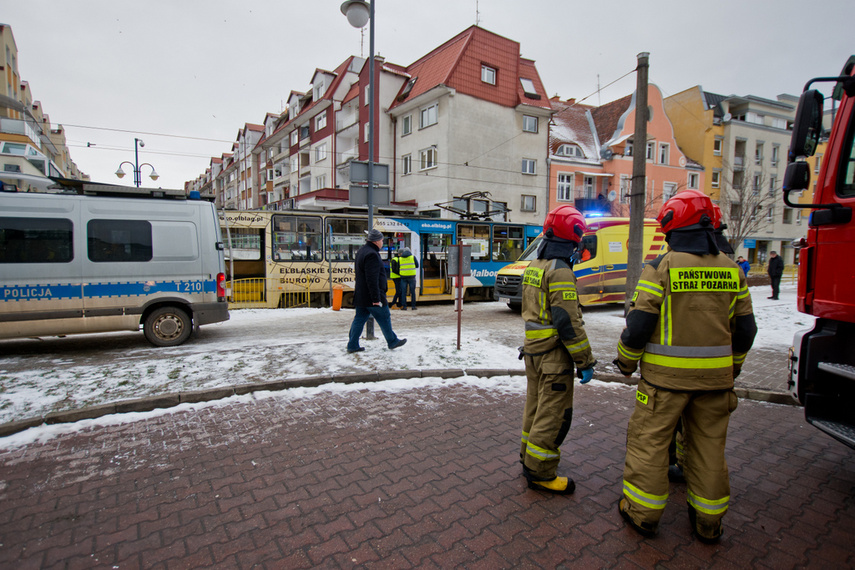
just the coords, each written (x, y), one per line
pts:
(690, 325)
(555, 340)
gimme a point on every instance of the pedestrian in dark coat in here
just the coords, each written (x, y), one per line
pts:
(776, 270)
(369, 294)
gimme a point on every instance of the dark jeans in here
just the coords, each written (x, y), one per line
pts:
(396, 300)
(776, 286)
(408, 283)
(383, 317)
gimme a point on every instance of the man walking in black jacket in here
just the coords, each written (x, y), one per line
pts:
(369, 294)
(776, 270)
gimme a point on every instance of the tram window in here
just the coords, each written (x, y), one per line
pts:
(243, 244)
(478, 236)
(297, 238)
(507, 242)
(347, 237)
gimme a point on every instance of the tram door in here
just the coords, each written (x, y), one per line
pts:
(433, 263)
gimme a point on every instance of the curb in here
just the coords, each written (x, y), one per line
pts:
(193, 397)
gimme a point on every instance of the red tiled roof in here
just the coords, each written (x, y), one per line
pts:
(606, 117)
(457, 64)
(570, 125)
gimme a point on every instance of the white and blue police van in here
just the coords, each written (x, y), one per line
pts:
(94, 258)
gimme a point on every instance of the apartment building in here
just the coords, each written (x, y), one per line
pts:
(742, 142)
(30, 149)
(591, 156)
(463, 130)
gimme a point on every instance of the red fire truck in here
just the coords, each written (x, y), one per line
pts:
(822, 360)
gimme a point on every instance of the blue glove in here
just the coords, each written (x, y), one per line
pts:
(586, 375)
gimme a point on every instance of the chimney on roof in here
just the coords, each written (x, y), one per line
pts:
(555, 97)
(571, 101)
(379, 59)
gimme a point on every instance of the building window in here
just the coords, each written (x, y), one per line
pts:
(717, 144)
(628, 149)
(693, 180)
(571, 150)
(788, 216)
(406, 125)
(771, 215)
(320, 152)
(651, 150)
(294, 135)
(716, 178)
(320, 122)
(406, 164)
(818, 163)
(295, 163)
(758, 153)
(668, 191)
(529, 203)
(625, 188)
(11, 168)
(529, 166)
(320, 181)
(756, 184)
(488, 74)
(427, 158)
(773, 182)
(776, 154)
(528, 87)
(529, 124)
(428, 116)
(664, 153)
(588, 185)
(367, 95)
(565, 187)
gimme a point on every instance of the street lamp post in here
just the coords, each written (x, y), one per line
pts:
(137, 166)
(360, 12)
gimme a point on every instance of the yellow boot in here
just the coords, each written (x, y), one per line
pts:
(559, 485)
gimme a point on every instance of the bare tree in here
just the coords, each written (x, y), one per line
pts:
(747, 202)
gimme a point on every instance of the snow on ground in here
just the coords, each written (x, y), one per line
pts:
(258, 345)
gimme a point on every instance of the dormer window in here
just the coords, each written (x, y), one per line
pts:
(407, 88)
(488, 74)
(529, 88)
(570, 150)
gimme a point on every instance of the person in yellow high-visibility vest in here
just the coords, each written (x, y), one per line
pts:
(407, 266)
(690, 325)
(395, 276)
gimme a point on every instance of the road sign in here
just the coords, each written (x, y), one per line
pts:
(359, 173)
(359, 196)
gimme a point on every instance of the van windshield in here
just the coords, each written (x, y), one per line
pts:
(588, 250)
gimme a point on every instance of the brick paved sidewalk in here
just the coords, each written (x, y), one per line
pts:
(425, 478)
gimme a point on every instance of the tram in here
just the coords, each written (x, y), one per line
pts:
(297, 258)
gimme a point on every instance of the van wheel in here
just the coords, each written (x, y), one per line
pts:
(167, 326)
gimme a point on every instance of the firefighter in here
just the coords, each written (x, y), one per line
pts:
(690, 324)
(555, 340)
(675, 450)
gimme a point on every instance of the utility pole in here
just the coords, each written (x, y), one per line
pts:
(637, 197)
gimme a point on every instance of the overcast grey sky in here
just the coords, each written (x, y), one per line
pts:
(112, 70)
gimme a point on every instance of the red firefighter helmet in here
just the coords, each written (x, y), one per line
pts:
(717, 218)
(566, 222)
(686, 208)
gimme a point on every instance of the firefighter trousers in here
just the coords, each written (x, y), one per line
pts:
(548, 412)
(705, 415)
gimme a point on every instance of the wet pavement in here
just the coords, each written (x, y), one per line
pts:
(409, 478)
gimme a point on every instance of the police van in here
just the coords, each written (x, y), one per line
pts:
(97, 258)
(601, 267)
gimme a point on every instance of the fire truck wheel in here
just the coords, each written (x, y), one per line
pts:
(167, 326)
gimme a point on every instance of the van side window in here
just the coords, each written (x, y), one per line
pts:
(36, 240)
(846, 179)
(589, 247)
(118, 240)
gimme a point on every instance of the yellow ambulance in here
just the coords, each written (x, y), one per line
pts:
(601, 269)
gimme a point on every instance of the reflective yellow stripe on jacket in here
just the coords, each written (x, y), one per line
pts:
(692, 357)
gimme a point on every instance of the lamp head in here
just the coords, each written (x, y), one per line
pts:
(154, 175)
(357, 12)
(120, 173)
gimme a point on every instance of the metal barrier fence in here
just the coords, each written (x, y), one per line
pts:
(791, 272)
(261, 292)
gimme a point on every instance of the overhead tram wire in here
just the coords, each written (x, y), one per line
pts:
(145, 133)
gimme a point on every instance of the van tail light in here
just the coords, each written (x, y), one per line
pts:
(221, 285)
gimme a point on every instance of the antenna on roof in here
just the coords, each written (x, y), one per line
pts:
(477, 14)
(598, 90)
